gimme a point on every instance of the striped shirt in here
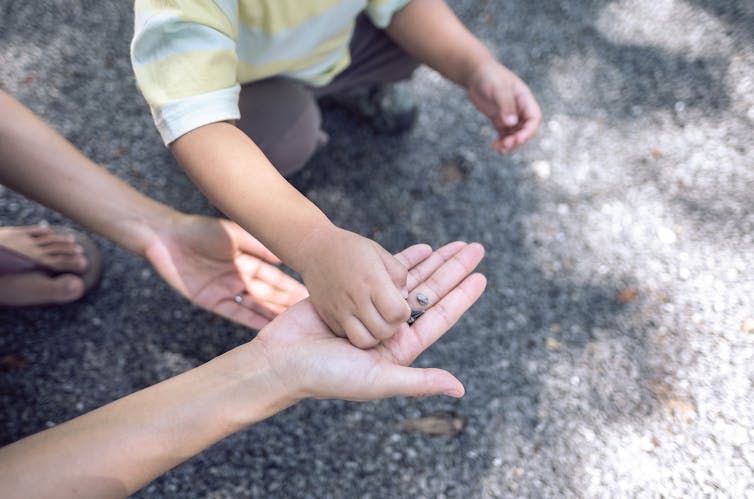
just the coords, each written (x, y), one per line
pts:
(191, 57)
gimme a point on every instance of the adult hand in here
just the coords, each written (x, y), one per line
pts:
(294, 357)
(310, 361)
(509, 104)
(356, 287)
(210, 261)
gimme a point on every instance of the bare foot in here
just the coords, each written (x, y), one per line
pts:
(53, 250)
(26, 289)
(43, 247)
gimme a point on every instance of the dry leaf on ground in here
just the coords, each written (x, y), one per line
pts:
(438, 423)
(626, 295)
(682, 410)
(11, 361)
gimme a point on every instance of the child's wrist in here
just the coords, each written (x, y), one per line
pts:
(477, 66)
(307, 251)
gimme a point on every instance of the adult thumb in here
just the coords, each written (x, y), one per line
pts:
(417, 382)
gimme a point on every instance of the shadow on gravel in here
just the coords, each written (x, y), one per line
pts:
(739, 15)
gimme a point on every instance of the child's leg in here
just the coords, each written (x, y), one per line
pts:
(282, 116)
(375, 59)
(283, 119)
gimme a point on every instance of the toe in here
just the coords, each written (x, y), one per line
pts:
(67, 288)
(36, 288)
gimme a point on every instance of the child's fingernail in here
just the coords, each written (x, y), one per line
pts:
(510, 119)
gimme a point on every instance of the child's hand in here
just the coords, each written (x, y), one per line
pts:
(507, 102)
(356, 286)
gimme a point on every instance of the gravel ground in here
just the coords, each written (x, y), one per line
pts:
(608, 357)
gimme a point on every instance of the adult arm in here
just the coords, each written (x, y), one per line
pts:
(117, 449)
(431, 32)
(207, 260)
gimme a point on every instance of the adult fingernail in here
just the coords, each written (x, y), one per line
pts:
(510, 119)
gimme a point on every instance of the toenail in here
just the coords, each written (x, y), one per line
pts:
(73, 286)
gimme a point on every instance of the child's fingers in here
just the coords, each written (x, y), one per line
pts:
(527, 132)
(391, 305)
(395, 269)
(507, 109)
(378, 327)
(530, 112)
(358, 334)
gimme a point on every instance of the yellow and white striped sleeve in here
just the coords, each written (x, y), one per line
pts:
(381, 11)
(184, 57)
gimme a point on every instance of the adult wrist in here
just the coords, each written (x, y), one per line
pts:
(139, 232)
(252, 389)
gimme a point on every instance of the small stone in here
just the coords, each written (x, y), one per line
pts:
(552, 343)
(656, 153)
(422, 299)
(666, 235)
(648, 444)
(541, 169)
(415, 314)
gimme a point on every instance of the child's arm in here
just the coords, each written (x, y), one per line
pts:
(354, 283)
(186, 65)
(432, 33)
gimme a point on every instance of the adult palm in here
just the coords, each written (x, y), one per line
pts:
(313, 362)
(212, 261)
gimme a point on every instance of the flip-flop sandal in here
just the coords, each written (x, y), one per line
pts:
(12, 262)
